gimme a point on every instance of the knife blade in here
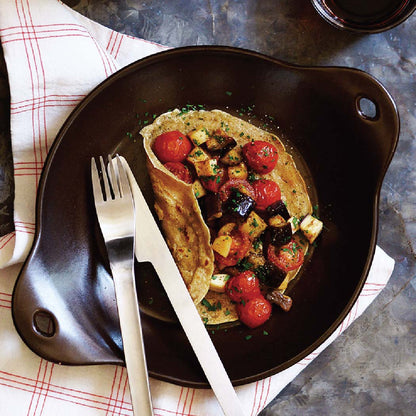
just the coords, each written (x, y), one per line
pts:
(151, 246)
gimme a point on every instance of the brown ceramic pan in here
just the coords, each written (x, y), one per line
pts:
(63, 302)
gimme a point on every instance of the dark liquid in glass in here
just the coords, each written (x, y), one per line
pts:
(366, 11)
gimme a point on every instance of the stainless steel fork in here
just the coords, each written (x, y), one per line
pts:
(116, 216)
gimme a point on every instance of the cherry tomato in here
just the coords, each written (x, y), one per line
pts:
(267, 192)
(261, 156)
(240, 184)
(287, 257)
(243, 286)
(213, 183)
(239, 247)
(255, 311)
(172, 146)
(180, 171)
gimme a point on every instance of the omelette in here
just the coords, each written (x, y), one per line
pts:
(214, 192)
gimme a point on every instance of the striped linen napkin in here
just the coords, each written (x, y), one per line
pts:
(54, 58)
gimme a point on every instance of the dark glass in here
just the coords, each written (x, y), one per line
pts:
(366, 11)
(365, 16)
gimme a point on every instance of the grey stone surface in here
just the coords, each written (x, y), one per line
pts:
(371, 368)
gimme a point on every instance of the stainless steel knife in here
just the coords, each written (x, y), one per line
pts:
(152, 247)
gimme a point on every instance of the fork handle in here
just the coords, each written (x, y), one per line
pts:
(131, 333)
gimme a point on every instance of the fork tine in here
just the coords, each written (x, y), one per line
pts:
(107, 192)
(96, 186)
(113, 176)
(124, 181)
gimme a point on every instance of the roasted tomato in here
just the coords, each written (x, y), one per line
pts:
(172, 146)
(267, 192)
(261, 156)
(255, 311)
(179, 170)
(243, 286)
(239, 184)
(287, 257)
(213, 183)
(239, 247)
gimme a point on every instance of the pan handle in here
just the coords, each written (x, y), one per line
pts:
(376, 108)
(56, 333)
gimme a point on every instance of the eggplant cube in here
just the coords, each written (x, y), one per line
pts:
(197, 155)
(294, 223)
(199, 190)
(277, 221)
(311, 227)
(278, 208)
(280, 235)
(233, 157)
(277, 297)
(207, 167)
(238, 172)
(239, 204)
(212, 207)
(220, 143)
(199, 136)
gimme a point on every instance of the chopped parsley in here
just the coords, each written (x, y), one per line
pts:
(211, 307)
(244, 264)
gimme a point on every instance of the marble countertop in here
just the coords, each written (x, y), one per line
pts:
(371, 368)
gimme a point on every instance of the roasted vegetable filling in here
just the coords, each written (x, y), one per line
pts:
(258, 246)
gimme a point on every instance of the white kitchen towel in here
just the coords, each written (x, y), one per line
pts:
(54, 58)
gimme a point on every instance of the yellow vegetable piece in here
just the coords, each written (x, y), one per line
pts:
(199, 136)
(207, 167)
(227, 228)
(238, 172)
(199, 190)
(218, 282)
(197, 155)
(233, 157)
(222, 245)
(253, 226)
(277, 221)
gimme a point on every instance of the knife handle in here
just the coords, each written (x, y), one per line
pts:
(131, 333)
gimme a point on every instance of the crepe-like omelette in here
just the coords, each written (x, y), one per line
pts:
(185, 230)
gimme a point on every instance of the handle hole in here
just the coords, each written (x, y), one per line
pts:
(44, 323)
(367, 108)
